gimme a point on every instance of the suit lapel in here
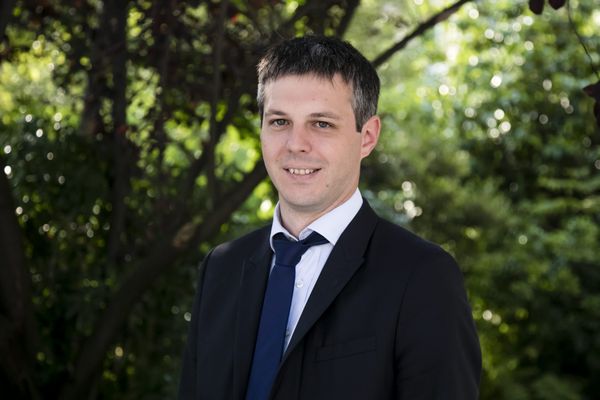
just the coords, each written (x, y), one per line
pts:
(252, 288)
(345, 259)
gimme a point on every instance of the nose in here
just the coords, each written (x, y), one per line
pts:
(298, 140)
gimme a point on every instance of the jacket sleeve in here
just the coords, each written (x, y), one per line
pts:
(189, 371)
(437, 348)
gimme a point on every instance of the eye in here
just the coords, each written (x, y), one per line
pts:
(279, 122)
(323, 124)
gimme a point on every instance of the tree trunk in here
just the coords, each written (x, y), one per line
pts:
(17, 328)
(6, 10)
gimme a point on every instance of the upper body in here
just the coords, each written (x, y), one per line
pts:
(387, 317)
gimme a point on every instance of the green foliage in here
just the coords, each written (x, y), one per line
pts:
(489, 148)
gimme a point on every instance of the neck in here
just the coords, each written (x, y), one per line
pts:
(295, 220)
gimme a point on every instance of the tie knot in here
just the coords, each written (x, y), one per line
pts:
(288, 253)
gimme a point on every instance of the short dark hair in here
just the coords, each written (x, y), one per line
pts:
(324, 57)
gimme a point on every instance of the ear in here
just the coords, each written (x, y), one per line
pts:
(369, 135)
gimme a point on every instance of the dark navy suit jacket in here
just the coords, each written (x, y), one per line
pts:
(387, 319)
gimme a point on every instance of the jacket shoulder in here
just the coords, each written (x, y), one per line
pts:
(243, 245)
(399, 239)
(408, 253)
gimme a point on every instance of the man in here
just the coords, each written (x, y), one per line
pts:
(365, 310)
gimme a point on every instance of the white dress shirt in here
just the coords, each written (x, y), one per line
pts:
(330, 226)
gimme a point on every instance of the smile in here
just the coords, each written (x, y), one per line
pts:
(301, 171)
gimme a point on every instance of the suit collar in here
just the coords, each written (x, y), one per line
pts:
(345, 259)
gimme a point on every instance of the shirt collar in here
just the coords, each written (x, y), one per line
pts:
(330, 226)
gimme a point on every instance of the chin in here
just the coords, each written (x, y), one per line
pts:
(305, 205)
(302, 205)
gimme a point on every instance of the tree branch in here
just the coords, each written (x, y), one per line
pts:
(191, 235)
(145, 273)
(305, 10)
(347, 18)
(418, 31)
(201, 163)
(219, 39)
(116, 11)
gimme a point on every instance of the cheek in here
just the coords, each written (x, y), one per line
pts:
(266, 148)
(269, 143)
(347, 152)
(269, 155)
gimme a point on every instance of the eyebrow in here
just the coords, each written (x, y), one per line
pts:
(325, 114)
(274, 112)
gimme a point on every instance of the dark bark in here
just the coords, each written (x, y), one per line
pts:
(218, 43)
(347, 18)
(200, 164)
(100, 39)
(114, 20)
(315, 10)
(116, 13)
(229, 202)
(6, 11)
(17, 325)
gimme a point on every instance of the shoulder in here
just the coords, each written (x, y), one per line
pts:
(244, 245)
(393, 238)
(391, 244)
(429, 277)
(412, 255)
(224, 262)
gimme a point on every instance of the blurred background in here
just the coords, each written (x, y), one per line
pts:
(129, 147)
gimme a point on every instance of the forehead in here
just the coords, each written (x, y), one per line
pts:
(308, 88)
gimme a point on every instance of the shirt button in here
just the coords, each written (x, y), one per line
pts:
(287, 332)
(299, 283)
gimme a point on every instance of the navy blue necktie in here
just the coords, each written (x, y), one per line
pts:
(268, 349)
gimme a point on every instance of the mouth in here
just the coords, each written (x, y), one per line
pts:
(302, 171)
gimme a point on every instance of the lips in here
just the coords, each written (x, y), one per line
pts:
(301, 171)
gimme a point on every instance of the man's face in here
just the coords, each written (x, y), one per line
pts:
(310, 145)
